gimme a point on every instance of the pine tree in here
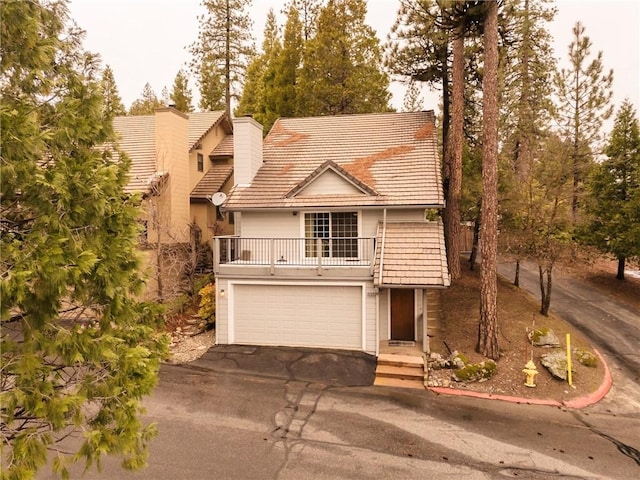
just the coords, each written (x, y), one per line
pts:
(614, 193)
(253, 101)
(112, 103)
(147, 103)
(526, 105)
(181, 93)
(488, 326)
(308, 11)
(412, 101)
(222, 52)
(418, 49)
(342, 70)
(288, 65)
(584, 93)
(78, 350)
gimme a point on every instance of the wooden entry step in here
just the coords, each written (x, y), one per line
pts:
(400, 371)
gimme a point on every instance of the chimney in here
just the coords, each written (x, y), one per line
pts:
(247, 150)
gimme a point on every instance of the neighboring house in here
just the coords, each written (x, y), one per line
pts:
(178, 161)
(333, 245)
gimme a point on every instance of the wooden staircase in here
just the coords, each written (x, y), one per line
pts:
(404, 371)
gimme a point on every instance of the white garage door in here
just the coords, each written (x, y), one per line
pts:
(313, 316)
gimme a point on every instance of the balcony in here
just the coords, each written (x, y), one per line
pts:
(294, 253)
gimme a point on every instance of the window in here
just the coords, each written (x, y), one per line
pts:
(337, 231)
(200, 162)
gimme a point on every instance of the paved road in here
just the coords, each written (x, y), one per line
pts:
(259, 413)
(614, 328)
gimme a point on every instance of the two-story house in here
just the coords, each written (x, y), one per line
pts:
(337, 237)
(178, 161)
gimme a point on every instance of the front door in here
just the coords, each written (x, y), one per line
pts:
(402, 314)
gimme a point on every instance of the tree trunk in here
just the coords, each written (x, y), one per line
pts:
(516, 280)
(227, 66)
(545, 289)
(488, 326)
(621, 263)
(454, 159)
(476, 238)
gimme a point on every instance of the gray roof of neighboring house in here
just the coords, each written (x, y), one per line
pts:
(414, 255)
(212, 181)
(136, 136)
(392, 154)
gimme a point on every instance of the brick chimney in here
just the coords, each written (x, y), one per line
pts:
(247, 150)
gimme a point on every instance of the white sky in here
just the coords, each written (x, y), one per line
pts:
(146, 40)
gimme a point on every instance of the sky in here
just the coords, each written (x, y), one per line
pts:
(146, 40)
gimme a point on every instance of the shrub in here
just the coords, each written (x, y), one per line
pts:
(474, 372)
(207, 310)
(586, 358)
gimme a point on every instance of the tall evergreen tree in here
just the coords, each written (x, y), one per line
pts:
(181, 93)
(343, 64)
(412, 101)
(488, 325)
(526, 103)
(584, 95)
(112, 103)
(78, 350)
(288, 66)
(614, 193)
(252, 102)
(223, 51)
(147, 103)
(418, 50)
(308, 11)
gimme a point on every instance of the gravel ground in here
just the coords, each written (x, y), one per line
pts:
(186, 348)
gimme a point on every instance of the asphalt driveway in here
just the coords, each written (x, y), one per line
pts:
(338, 368)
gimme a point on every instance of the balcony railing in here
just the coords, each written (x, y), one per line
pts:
(301, 252)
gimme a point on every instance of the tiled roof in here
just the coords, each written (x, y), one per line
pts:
(394, 154)
(200, 123)
(224, 148)
(414, 255)
(212, 181)
(137, 137)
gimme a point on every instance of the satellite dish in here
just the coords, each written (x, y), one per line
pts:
(217, 198)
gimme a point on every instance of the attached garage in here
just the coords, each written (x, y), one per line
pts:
(313, 315)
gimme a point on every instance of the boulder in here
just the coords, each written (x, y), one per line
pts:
(544, 337)
(556, 363)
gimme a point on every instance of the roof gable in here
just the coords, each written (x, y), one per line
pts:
(330, 179)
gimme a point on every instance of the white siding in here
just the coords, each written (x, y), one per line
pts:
(271, 225)
(329, 183)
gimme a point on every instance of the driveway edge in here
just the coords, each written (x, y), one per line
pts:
(576, 403)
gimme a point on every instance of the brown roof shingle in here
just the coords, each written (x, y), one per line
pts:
(200, 123)
(414, 255)
(395, 154)
(224, 148)
(212, 182)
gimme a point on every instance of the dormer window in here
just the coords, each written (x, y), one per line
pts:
(200, 162)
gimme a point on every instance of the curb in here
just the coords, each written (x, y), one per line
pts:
(576, 403)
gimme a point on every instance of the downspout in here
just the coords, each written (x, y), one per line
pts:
(384, 237)
(382, 242)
